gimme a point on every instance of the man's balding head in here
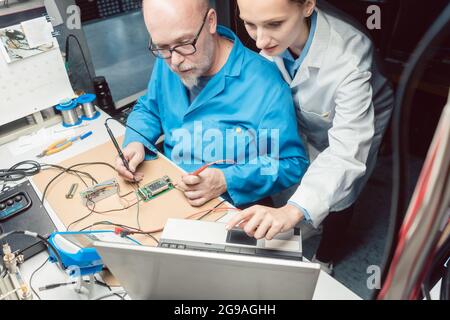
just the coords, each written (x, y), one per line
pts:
(173, 14)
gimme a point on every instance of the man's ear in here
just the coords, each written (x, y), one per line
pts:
(212, 21)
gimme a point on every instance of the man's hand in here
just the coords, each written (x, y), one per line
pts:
(265, 222)
(200, 189)
(135, 154)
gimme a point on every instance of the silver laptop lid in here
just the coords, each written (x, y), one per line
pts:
(159, 273)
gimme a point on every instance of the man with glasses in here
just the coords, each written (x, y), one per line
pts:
(205, 88)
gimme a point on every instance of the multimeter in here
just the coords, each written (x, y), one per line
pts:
(77, 252)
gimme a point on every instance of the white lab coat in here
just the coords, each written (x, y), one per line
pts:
(343, 108)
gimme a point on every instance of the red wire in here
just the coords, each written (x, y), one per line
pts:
(422, 185)
(188, 217)
(202, 168)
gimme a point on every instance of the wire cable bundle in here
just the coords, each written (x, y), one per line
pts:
(421, 236)
(401, 281)
(19, 171)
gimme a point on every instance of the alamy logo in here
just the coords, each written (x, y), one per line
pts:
(374, 280)
(73, 17)
(374, 20)
(259, 148)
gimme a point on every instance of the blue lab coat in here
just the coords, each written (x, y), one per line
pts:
(247, 102)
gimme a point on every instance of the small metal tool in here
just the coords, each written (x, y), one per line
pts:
(72, 191)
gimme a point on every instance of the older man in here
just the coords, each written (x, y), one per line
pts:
(214, 100)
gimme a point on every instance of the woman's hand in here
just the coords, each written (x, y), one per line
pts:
(265, 222)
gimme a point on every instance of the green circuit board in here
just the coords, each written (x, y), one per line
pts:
(155, 189)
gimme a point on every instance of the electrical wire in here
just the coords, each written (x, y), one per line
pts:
(209, 212)
(104, 284)
(441, 255)
(77, 172)
(122, 226)
(400, 130)
(92, 210)
(112, 210)
(37, 236)
(137, 214)
(4, 272)
(204, 212)
(445, 285)
(32, 275)
(115, 293)
(151, 147)
(82, 53)
(70, 168)
(82, 218)
(62, 284)
(19, 171)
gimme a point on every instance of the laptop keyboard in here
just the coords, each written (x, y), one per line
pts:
(237, 250)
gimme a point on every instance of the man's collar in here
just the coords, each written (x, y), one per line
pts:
(234, 62)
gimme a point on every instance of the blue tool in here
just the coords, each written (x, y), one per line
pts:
(77, 251)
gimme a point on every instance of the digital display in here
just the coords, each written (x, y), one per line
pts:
(238, 236)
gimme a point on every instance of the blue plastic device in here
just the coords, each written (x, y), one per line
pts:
(76, 249)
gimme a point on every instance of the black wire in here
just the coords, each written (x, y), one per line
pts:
(107, 286)
(112, 210)
(152, 148)
(16, 173)
(445, 285)
(38, 236)
(137, 210)
(77, 172)
(400, 131)
(126, 194)
(109, 223)
(209, 212)
(150, 233)
(393, 31)
(441, 256)
(4, 272)
(62, 284)
(70, 168)
(138, 231)
(32, 275)
(82, 54)
(83, 218)
(92, 210)
(137, 215)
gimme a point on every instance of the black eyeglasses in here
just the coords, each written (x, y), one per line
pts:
(184, 49)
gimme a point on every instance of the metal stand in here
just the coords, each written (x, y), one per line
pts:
(89, 287)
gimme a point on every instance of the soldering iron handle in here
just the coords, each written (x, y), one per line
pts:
(116, 145)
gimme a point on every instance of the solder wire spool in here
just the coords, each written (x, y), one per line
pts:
(69, 113)
(87, 102)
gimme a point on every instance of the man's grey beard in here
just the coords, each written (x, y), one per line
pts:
(200, 70)
(190, 82)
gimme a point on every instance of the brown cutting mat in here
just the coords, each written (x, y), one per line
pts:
(152, 215)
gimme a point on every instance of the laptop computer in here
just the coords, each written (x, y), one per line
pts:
(213, 237)
(165, 273)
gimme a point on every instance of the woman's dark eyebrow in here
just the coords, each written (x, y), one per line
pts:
(278, 19)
